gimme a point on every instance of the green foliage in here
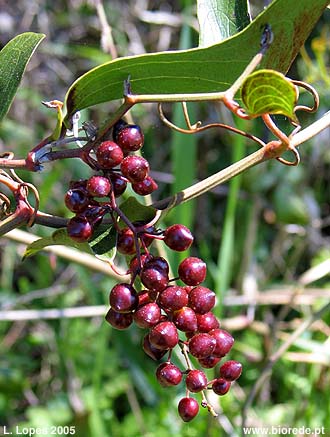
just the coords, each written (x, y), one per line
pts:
(221, 19)
(266, 91)
(13, 60)
(176, 72)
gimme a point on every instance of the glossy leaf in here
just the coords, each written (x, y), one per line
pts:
(269, 92)
(220, 19)
(207, 69)
(136, 212)
(13, 60)
(104, 242)
(59, 237)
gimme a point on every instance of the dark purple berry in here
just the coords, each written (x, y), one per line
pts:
(130, 138)
(192, 271)
(145, 187)
(164, 335)
(76, 199)
(168, 374)
(98, 186)
(196, 381)
(158, 263)
(188, 409)
(173, 298)
(118, 184)
(224, 342)
(209, 362)
(134, 266)
(123, 298)
(79, 229)
(152, 351)
(231, 370)
(178, 237)
(185, 319)
(147, 315)
(119, 320)
(202, 345)
(109, 154)
(126, 242)
(221, 386)
(201, 299)
(120, 124)
(134, 168)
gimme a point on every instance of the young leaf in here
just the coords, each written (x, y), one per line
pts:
(59, 237)
(136, 212)
(13, 60)
(269, 92)
(220, 19)
(207, 69)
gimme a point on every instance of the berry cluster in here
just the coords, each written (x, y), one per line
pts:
(174, 315)
(91, 199)
(172, 311)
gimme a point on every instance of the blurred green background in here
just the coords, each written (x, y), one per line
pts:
(258, 234)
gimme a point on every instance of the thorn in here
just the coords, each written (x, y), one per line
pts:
(266, 38)
(127, 86)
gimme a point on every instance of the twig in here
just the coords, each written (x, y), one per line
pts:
(68, 313)
(68, 253)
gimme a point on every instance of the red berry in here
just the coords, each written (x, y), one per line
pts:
(196, 381)
(119, 320)
(153, 352)
(168, 374)
(134, 168)
(178, 237)
(123, 298)
(109, 154)
(201, 299)
(76, 199)
(221, 386)
(192, 271)
(173, 298)
(224, 342)
(134, 264)
(201, 345)
(206, 322)
(130, 138)
(147, 315)
(188, 409)
(209, 362)
(79, 229)
(185, 320)
(98, 186)
(231, 370)
(164, 335)
(125, 242)
(154, 279)
(145, 187)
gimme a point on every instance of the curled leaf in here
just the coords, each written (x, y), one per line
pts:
(269, 92)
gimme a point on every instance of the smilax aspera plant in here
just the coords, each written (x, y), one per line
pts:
(170, 303)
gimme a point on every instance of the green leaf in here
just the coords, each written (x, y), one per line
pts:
(13, 60)
(209, 69)
(220, 19)
(136, 212)
(104, 242)
(269, 92)
(59, 237)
